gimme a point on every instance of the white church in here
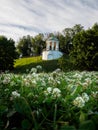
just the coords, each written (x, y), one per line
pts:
(52, 49)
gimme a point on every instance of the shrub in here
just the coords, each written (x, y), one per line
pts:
(65, 63)
(7, 53)
(84, 54)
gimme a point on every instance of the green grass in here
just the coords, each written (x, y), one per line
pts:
(22, 64)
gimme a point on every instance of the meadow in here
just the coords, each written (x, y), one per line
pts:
(27, 63)
(33, 99)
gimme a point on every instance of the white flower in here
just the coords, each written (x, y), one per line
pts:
(95, 94)
(15, 94)
(77, 75)
(49, 89)
(39, 67)
(57, 70)
(88, 80)
(58, 81)
(43, 83)
(33, 70)
(79, 102)
(56, 92)
(34, 82)
(85, 97)
(85, 85)
(26, 82)
(6, 80)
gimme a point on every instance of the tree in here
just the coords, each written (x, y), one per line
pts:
(84, 54)
(62, 43)
(69, 34)
(31, 46)
(38, 44)
(7, 53)
(95, 27)
(77, 28)
(24, 46)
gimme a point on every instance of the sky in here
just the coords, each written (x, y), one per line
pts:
(19, 18)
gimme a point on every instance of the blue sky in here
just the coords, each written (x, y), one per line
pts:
(30, 17)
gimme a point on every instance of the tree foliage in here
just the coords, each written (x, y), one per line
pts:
(69, 34)
(84, 54)
(38, 44)
(7, 53)
(24, 46)
(30, 46)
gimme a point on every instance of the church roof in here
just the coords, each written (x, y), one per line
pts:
(52, 38)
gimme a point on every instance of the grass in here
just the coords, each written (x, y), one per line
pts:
(22, 64)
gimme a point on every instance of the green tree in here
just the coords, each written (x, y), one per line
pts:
(95, 27)
(31, 46)
(24, 46)
(7, 53)
(84, 54)
(69, 34)
(77, 28)
(66, 44)
(38, 44)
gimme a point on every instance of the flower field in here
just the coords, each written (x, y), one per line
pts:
(49, 101)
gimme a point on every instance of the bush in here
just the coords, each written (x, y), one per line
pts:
(65, 63)
(7, 53)
(84, 54)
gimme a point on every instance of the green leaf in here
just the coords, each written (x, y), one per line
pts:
(95, 120)
(3, 109)
(22, 106)
(26, 124)
(67, 128)
(87, 125)
(82, 117)
(73, 90)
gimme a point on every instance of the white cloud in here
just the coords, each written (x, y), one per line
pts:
(23, 17)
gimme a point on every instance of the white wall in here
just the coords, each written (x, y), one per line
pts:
(50, 55)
